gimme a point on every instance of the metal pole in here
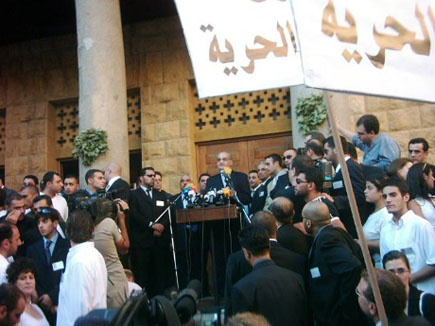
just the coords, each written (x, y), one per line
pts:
(355, 214)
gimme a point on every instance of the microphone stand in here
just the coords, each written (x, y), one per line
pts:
(168, 209)
(236, 198)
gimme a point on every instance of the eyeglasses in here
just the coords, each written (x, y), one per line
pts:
(416, 151)
(398, 271)
(299, 181)
(288, 157)
(150, 175)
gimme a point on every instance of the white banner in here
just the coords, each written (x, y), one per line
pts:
(240, 45)
(381, 47)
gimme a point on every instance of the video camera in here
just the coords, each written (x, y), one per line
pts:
(138, 310)
(99, 206)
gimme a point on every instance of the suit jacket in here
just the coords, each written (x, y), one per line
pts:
(259, 198)
(274, 292)
(408, 321)
(280, 185)
(335, 262)
(238, 267)
(339, 193)
(47, 280)
(292, 239)
(241, 185)
(427, 306)
(120, 189)
(144, 210)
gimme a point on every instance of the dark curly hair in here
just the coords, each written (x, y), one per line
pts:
(21, 265)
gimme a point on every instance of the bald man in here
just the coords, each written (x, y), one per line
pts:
(335, 264)
(116, 186)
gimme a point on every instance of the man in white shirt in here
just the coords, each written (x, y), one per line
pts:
(51, 185)
(84, 284)
(9, 243)
(410, 234)
(278, 174)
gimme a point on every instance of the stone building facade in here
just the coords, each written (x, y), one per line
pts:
(41, 76)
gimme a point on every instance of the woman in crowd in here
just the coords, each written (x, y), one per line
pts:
(399, 167)
(109, 241)
(372, 227)
(420, 181)
(21, 273)
(419, 303)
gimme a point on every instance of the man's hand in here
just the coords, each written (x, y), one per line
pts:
(46, 302)
(158, 229)
(13, 216)
(328, 196)
(122, 205)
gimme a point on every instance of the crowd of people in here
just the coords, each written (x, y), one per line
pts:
(293, 257)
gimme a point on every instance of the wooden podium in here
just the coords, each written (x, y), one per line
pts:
(204, 214)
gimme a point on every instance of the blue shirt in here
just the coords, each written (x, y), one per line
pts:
(381, 152)
(53, 242)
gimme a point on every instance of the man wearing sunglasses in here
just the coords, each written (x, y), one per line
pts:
(288, 157)
(49, 256)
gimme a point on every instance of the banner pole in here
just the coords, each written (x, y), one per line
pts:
(355, 214)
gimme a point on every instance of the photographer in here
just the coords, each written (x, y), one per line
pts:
(109, 240)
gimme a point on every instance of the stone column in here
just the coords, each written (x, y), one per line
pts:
(102, 81)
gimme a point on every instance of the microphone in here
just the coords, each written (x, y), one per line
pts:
(226, 172)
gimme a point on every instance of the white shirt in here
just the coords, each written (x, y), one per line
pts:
(28, 319)
(60, 204)
(132, 286)
(372, 227)
(4, 263)
(111, 182)
(415, 237)
(83, 286)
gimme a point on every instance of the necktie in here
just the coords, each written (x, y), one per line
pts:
(148, 192)
(47, 251)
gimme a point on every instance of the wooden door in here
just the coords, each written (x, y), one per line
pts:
(246, 152)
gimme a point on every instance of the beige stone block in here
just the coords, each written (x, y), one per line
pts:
(375, 104)
(173, 184)
(54, 83)
(356, 103)
(145, 95)
(3, 92)
(71, 82)
(12, 131)
(427, 115)
(132, 70)
(15, 90)
(167, 130)
(186, 164)
(153, 43)
(34, 87)
(154, 150)
(153, 113)
(147, 132)
(164, 93)
(38, 163)
(153, 68)
(383, 121)
(426, 133)
(176, 110)
(173, 66)
(167, 166)
(40, 110)
(184, 128)
(16, 165)
(175, 147)
(11, 147)
(50, 60)
(402, 138)
(176, 40)
(38, 145)
(24, 147)
(403, 119)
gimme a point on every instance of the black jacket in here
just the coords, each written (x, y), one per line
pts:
(241, 185)
(335, 263)
(427, 306)
(144, 210)
(120, 189)
(259, 198)
(274, 292)
(47, 280)
(292, 239)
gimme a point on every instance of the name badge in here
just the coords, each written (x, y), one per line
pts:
(315, 273)
(57, 266)
(160, 203)
(337, 184)
(261, 194)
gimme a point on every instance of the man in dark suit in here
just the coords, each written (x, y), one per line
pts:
(187, 241)
(287, 235)
(225, 231)
(393, 297)
(272, 291)
(335, 263)
(118, 187)
(338, 190)
(49, 256)
(260, 194)
(238, 267)
(279, 177)
(151, 257)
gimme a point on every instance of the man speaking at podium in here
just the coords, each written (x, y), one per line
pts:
(225, 232)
